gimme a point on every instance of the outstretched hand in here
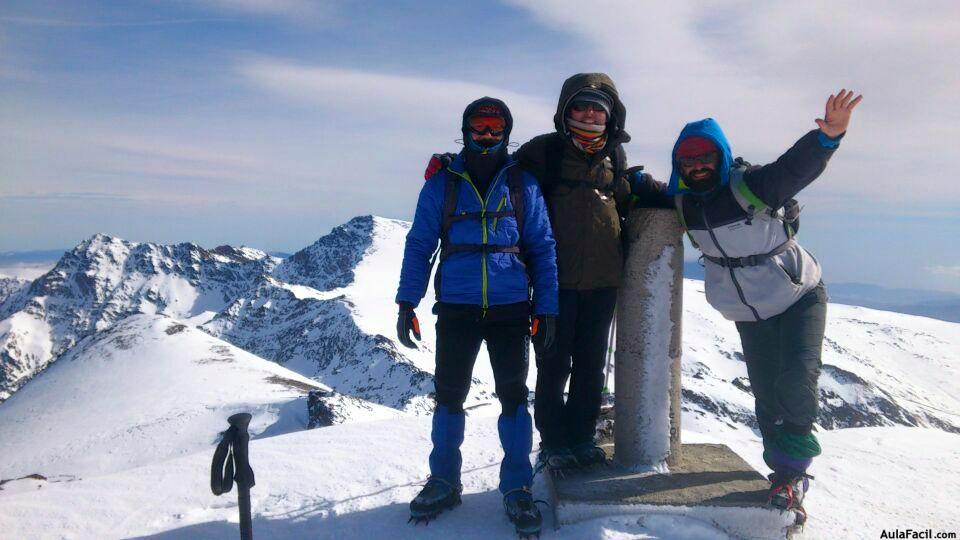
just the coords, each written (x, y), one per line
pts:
(837, 117)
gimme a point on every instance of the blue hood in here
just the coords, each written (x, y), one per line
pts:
(707, 128)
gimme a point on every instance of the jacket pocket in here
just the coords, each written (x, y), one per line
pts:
(795, 279)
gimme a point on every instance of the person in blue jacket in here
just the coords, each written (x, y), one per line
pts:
(495, 244)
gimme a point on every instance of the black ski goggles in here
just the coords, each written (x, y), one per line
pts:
(702, 159)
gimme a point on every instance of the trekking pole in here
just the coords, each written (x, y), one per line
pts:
(231, 462)
(606, 368)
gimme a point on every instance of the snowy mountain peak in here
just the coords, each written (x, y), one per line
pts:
(105, 279)
(329, 262)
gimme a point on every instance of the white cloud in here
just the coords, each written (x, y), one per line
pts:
(764, 70)
(297, 9)
(949, 271)
(402, 104)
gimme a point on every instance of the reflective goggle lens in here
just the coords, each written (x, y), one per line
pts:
(494, 125)
(703, 159)
(584, 106)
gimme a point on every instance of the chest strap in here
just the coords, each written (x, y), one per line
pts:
(752, 260)
(477, 248)
(477, 215)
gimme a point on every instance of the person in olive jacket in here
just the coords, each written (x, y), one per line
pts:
(581, 171)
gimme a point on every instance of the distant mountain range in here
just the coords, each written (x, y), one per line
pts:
(935, 304)
(326, 313)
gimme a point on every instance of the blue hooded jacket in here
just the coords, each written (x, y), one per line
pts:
(477, 278)
(707, 128)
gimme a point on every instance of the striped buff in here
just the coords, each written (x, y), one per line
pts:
(587, 137)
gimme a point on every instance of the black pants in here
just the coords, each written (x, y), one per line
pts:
(460, 330)
(579, 353)
(783, 363)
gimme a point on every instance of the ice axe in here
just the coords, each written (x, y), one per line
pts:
(230, 462)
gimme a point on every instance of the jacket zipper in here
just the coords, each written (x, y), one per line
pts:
(733, 275)
(503, 201)
(483, 229)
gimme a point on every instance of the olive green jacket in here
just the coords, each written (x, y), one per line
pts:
(584, 199)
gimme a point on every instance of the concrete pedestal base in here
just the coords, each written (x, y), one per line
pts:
(711, 484)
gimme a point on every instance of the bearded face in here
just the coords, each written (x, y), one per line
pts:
(700, 172)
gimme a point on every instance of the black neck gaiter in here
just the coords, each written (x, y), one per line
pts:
(482, 167)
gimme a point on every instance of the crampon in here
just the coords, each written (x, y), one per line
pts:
(787, 492)
(435, 497)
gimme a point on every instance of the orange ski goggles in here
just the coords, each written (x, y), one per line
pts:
(481, 125)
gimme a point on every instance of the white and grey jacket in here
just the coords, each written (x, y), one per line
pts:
(754, 268)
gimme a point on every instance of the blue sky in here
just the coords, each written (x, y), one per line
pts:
(265, 123)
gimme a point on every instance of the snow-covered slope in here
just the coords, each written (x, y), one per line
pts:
(879, 368)
(328, 313)
(147, 390)
(355, 481)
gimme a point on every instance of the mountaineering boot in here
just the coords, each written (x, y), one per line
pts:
(443, 489)
(588, 454)
(522, 511)
(436, 496)
(556, 458)
(787, 490)
(789, 453)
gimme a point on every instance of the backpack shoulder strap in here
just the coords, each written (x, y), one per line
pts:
(619, 159)
(451, 194)
(553, 155)
(678, 204)
(750, 203)
(515, 185)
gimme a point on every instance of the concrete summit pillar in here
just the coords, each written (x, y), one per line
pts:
(649, 315)
(650, 471)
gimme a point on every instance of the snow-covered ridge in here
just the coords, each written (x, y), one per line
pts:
(148, 389)
(105, 279)
(10, 286)
(327, 313)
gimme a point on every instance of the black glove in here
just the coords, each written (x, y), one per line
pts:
(407, 321)
(544, 331)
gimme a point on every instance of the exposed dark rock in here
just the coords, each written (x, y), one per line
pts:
(319, 412)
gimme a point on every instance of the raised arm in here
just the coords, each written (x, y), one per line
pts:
(779, 181)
